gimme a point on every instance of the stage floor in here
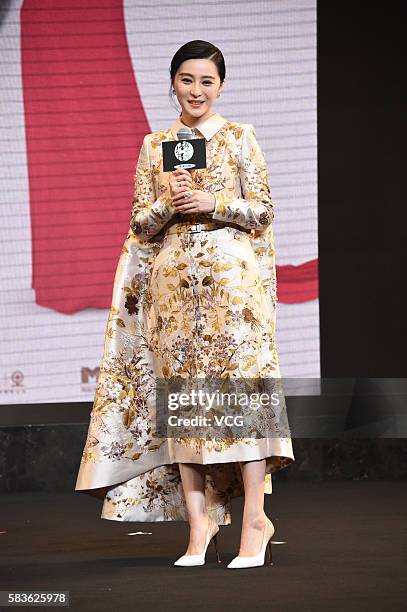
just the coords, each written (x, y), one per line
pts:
(345, 550)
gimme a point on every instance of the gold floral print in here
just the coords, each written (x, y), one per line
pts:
(236, 165)
(255, 208)
(192, 305)
(148, 213)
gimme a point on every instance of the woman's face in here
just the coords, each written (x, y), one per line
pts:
(197, 79)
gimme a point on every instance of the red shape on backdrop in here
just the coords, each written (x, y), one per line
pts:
(297, 284)
(84, 124)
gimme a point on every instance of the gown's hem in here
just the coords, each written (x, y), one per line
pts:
(101, 490)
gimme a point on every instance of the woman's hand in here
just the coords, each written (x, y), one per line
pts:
(198, 201)
(180, 181)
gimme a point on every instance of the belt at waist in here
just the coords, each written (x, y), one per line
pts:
(192, 228)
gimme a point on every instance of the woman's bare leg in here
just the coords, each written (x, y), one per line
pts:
(193, 482)
(253, 473)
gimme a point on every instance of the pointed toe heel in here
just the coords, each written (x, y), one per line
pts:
(257, 560)
(192, 560)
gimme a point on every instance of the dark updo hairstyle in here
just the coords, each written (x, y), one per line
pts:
(197, 49)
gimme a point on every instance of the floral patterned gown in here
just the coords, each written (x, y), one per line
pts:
(194, 297)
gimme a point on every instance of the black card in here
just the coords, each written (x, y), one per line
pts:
(187, 154)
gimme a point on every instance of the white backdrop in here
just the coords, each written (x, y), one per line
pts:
(270, 55)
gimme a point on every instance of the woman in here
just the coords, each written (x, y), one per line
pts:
(194, 298)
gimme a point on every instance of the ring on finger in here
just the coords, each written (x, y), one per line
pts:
(187, 194)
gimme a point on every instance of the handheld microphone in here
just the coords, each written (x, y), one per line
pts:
(188, 151)
(186, 133)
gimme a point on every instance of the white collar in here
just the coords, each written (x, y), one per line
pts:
(207, 128)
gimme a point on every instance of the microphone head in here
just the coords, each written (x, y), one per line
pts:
(185, 133)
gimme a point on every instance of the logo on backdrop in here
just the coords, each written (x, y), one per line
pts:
(89, 378)
(12, 384)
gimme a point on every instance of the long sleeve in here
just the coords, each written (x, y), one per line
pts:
(148, 215)
(255, 209)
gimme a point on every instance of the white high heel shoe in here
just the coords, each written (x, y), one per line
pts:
(240, 562)
(190, 560)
